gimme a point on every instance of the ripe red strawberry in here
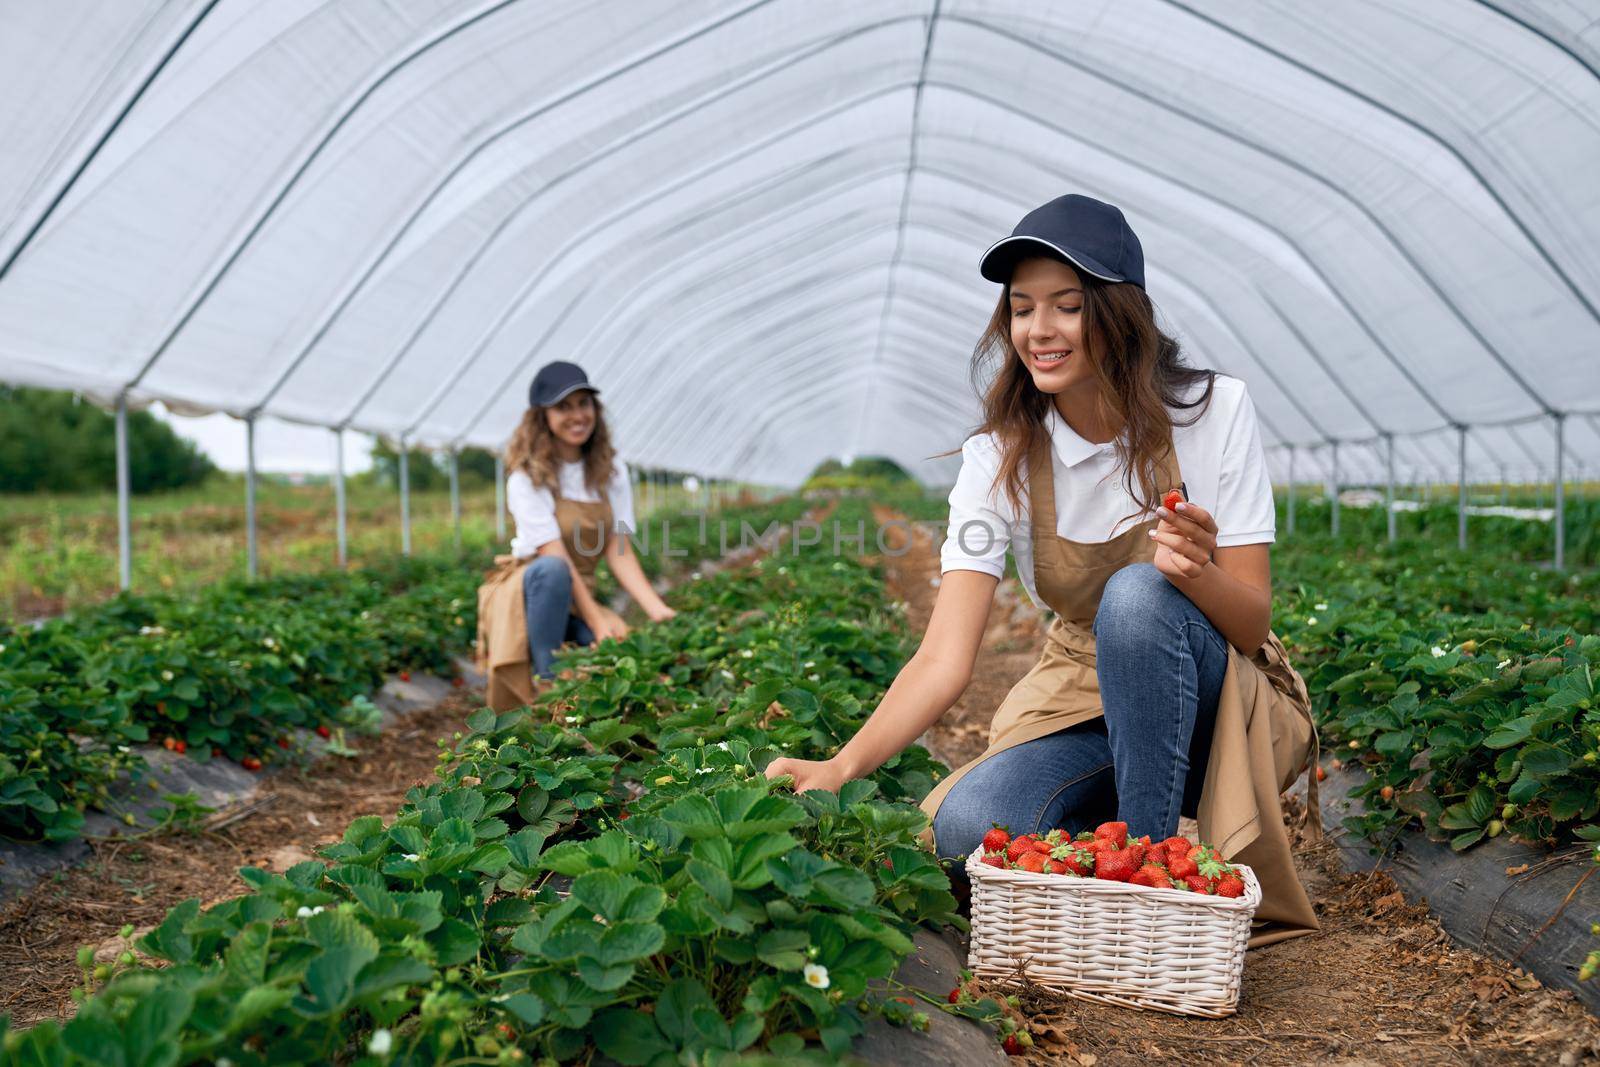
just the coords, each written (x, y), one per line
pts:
(1179, 865)
(1178, 845)
(1041, 845)
(169, 743)
(250, 763)
(1117, 865)
(1115, 832)
(405, 676)
(180, 746)
(1172, 499)
(1209, 863)
(1055, 866)
(1012, 1045)
(458, 681)
(994, 859)
(1198, 882)
(216, 752)
(283, 742)
(1230, 885)
(1019, 845)
(1097, 845)
(995, 840)
(324, 733)
(955, 995)
(1156, 854)
(1152, 876)
(1032, 861)
(1074, 860)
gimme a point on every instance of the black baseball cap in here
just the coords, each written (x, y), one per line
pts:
(1088, 233)
(555, 381)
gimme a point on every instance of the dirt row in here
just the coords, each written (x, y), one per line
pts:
(1381, 983)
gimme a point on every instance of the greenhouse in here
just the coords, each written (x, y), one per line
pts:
(776, 299)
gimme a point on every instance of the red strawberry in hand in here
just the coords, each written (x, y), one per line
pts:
(1115, 832)
(1172, 500)
(995, 840)
(1117, 865)
(1152, 876)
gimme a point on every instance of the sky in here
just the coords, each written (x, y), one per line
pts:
(282, 447)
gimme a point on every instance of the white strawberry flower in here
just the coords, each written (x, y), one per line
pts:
(382, 1041)
(814, 676)
(727, 674)
(267, 642)
(1320, 607)
(166, 676)
(306, 913)
(816, 976)
(746, 653)
(1311, 620)
(1503, 664)
(810, 663)
(411, 857)
(1438, 653)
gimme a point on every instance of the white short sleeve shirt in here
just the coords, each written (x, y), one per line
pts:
(533, 508)
(1224, 469)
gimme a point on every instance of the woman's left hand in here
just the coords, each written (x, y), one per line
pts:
(661, 614)
(1186, 540)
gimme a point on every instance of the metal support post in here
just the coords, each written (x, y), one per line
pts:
(339, 521)
(124, 521)
(251, 560)
(455, 495)
(405, 501)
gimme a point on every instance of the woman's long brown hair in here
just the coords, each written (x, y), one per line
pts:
(533, 451)
(1141, 374)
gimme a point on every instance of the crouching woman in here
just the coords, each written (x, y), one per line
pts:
(572, 501)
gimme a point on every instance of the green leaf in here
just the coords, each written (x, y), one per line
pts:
(694, 816)
(607, 978)
(630, 1037)
(784, 950)
(602, 892)
(630, 941)
(675, 1010)
(714, 880)
(170, 941)
(525, 1006)
(1544, 761)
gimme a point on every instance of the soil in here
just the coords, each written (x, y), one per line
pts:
(1380, 984)
(137, 881)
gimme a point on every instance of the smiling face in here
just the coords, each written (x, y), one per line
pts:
(571, 421)
(1046, 298)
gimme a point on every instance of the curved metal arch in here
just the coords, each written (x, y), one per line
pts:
(1304, 257)
(1540, 32)
(1426, 131)
(801, 299)
(375, 262)
(311, 157)
(1285, 160)
(763, 185)
(1209, 304)
(900, 230)
(105, 136)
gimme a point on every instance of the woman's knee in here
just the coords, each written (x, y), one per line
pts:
(1135, 598)
(548, 569)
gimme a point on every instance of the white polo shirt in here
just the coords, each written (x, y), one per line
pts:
(1224, 470)
(533, 508)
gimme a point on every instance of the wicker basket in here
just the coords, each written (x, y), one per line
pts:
(1167, 949)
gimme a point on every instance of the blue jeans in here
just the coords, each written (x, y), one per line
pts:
(547, 602)
(1160, 664)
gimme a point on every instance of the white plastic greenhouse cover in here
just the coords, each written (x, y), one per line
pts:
(757, 223)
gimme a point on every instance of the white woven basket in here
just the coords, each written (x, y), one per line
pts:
(1167, 949)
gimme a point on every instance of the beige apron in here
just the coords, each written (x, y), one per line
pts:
(502, 648)
(1263, 738)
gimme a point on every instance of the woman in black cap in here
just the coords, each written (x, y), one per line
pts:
(1134, 494)
(572, 500)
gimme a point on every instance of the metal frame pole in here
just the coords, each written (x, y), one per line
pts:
(1461, 488)
(405, 500)
(339, 520)
(1561, 494)
(455, 494)
(1291, 490)
(1333, 487)
(252, 559)
(124, 521)
(499, 498)
(1388, 486)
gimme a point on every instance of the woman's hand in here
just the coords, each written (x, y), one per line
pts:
(607, 623)
(809, 774)
(661, 614)
(1186, 541)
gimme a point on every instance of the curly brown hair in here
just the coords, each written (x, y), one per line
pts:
(533, 450)
(1141, 374)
